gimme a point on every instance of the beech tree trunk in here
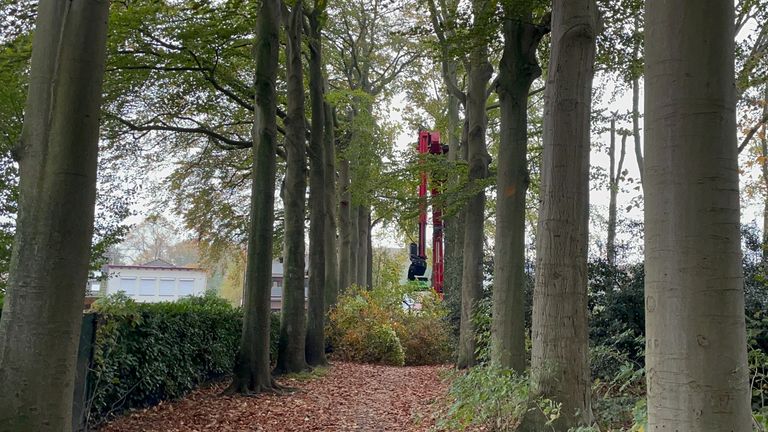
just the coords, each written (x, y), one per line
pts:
(613, 186)
(40, 325)
(291, 345)
(636, 130)
(764, 169)
(517, 71)
(362, 245)
(636, 108)
(315, 342)
(697, 374)
(252, 374)
(345, 227)
(354, 241)
(478, 158)
(369, 254)
(560, 355)
(331, 249)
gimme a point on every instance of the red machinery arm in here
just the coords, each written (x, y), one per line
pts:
(429, 143)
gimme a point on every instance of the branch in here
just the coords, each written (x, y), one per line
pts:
(225, 143)
(751, 133)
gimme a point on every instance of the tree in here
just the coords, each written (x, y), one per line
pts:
(517, 71)
(480, 71)
(318, 199)
(251, 372)
(151, 239)
(57, 157)
(559, 358)
(695, 331)
(291, 345)
(368, 52)
(614, 180)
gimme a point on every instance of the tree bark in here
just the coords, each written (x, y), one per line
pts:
(354, 240)
(764, 169)
(331, 242)
(517, 71)
(472, 274)
(345, 227)
(697, 374)
(560, 355)
(369, 254)
(315, 341)
(613, 186)
(291, 345)
(363, 228)
(251, 373)
(40, 325)
(636, 129)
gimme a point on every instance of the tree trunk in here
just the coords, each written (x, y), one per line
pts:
(369, 266)
(472, 280)
(517, 71)
(315, 342)
(41, 319)
(764, 169)
(636, 129)
(291, 345)
(354, 242)
(613, 186)
(345, 227)
(331, 249)
(251, 373)
(362, 246)
(560, 355)
(697, 373)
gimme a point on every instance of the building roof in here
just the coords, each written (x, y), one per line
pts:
(157, 264)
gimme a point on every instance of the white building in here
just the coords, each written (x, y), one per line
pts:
(155, 281)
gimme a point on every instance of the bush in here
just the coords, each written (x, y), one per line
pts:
(375, 327)
(146, 353)
(490, 398)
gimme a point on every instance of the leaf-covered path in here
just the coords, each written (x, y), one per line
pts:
(350, 397)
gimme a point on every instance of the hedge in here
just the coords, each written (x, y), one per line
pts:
(146, 353)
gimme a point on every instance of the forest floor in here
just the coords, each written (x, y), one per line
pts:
(344, 397)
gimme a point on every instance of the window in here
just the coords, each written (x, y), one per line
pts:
(148, 287)
(277, 287)
(128, 286)
(167, 287)
(186, 287)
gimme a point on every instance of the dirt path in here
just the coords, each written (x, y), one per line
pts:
(351, 397)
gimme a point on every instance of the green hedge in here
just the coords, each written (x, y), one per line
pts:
(146, 353)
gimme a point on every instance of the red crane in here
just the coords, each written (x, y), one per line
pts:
(429, 143)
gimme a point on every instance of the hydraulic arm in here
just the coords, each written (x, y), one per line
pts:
(429, 143)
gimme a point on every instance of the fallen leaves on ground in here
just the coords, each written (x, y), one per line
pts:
(350, 397)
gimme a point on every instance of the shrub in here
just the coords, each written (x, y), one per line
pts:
(493, 399)
(146, 353)
(375, 327)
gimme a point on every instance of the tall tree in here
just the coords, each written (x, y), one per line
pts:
(57, 156)
(615, 175)
(559, 359)
(291, 346)
(315, 342)
(251, 372)
(332, 283)
(345, 228)
(517, 71)
(696, 351)
(480, 71)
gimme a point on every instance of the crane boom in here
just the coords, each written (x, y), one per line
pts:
(429, 143)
